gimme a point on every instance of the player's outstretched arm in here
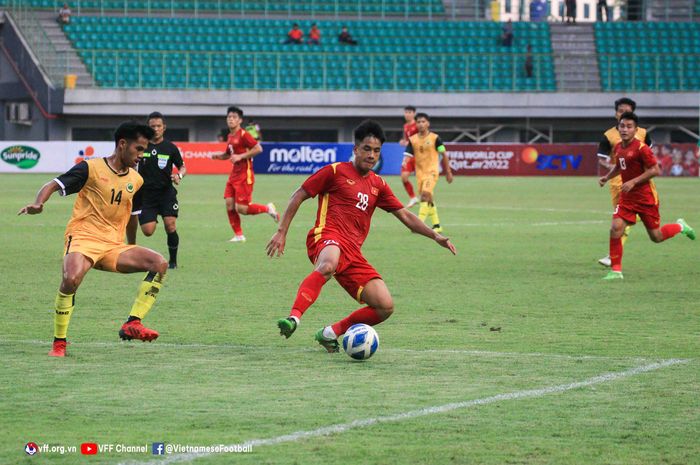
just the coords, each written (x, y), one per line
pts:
(276, 245)
(414, 223)
(611, 174)
(41, 197)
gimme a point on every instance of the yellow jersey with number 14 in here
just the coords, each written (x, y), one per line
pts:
(103, 206)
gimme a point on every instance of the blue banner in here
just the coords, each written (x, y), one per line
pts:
(307, 158)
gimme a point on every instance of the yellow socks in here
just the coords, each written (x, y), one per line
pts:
(146, 297)
(625, 234)
(423, 211)
(64, 308)
(434, 215)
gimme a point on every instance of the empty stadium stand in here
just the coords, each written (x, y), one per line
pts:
(649, 56)
(217, 53)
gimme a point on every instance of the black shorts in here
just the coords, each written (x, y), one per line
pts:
(149, 204)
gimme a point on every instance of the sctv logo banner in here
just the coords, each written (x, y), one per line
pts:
(299, 158)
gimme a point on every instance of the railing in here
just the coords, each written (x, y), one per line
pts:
(319, 71)
(53, 63)
(290, 8)
(650, 71)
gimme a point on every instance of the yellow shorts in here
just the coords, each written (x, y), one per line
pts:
(615, 189)
(103, 255)
(427, 181)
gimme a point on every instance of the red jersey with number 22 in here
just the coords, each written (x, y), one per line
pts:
(633, 160)
(241, 142)
(347, 201)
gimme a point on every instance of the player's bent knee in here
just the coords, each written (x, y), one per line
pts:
(70, 282)
(385, 310)
(160, 265)
(326, 268)
(242, 209)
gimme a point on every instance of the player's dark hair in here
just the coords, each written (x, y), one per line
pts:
(155, 115)
(369, 128)
(409, 108)
(234, 109)
(628, 115)
(625, 101)
(131, 130)
(422, 115)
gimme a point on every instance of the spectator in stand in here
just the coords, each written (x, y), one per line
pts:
(295, 35)
(538, 11)
(529, 65)
(314, 35)
(64, 15)
(507, 34)
(570, 11)
(345, 38)
(603, 7)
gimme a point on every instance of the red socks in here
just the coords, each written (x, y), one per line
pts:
(616, 254)
(256, 209)
(409, 188)
(366, 315)
(308, 292)
(670, 230)
(235, 221)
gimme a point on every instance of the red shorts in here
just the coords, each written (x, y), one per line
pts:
(648, 213)
(353, 271)
(240, 191)
(410, 166)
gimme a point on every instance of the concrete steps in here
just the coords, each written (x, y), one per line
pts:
(575, 58)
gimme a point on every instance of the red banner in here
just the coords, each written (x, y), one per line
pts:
(523, 160)
(196, 156)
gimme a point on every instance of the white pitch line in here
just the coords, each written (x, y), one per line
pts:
(478, 353)
(547, 223)
(525, 209)
(343, 427)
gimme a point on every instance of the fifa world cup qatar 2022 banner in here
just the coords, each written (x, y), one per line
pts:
(523, 160)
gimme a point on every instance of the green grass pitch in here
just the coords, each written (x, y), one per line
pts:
(221, 374)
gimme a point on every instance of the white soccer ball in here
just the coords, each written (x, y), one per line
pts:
(360, 341)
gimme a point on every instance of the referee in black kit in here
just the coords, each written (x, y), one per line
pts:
(158, 196)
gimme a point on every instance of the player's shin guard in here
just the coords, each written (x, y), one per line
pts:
(434, 215)
(409, 189)
(234, 220)
(256, 209)
(173, 243)
(146, 297)
(63, 309)
(423, 211)
(366, 315)
(670, 230)
(308, 292)
(616, 254)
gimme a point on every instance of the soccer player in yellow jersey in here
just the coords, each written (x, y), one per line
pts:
(606, 151)
(94, 235)
(426, 148)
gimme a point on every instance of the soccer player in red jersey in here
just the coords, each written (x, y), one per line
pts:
(348, 194)
(637, 165)
(409, 165)
(238, 194)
